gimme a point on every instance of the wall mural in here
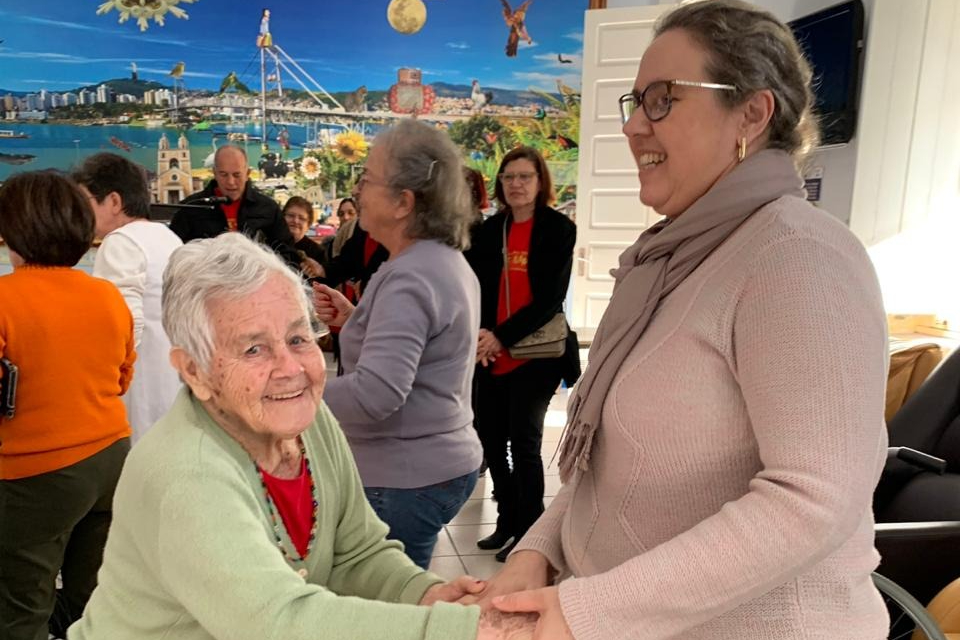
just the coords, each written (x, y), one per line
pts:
(303, 87)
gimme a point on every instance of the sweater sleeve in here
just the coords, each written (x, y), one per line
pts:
(365, 563)
(122, 262)
(809, 354)
(214, 559)
(401, 313)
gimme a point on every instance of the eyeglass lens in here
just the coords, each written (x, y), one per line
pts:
(656, 100)
(521, 177)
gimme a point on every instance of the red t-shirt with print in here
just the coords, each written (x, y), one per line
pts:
(230, 210)
(518, 248)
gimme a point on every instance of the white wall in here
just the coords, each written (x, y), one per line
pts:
(838, 162)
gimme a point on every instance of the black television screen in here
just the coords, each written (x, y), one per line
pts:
(832, 41)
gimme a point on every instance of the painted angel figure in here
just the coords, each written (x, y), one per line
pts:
(515, 21)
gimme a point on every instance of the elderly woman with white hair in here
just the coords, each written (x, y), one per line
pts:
(240, 515)
(408, 349)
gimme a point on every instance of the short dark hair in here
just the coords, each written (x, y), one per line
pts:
(545, 195)
(45, 218)
(303, 203)
(106, 173)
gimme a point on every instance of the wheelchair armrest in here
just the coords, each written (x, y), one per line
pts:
(922, 557)
(917, 530)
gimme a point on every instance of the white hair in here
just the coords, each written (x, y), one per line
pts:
(204, 272)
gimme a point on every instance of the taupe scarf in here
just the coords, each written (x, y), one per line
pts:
(663, 256)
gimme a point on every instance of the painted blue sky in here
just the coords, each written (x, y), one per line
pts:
(61, 45)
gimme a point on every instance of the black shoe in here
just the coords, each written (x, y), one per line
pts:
(494, 541)
(503, 553)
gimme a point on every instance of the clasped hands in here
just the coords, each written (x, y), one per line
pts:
(516, 604)
(489, 347)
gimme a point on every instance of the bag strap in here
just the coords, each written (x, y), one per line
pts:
(506, 274)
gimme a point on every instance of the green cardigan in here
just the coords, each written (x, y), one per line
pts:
(191, 553)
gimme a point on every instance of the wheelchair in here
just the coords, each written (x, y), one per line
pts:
(898, 541)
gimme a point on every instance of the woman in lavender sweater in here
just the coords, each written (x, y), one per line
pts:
(724, 443)
(408, 349)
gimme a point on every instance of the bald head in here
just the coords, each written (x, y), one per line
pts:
(231, 171)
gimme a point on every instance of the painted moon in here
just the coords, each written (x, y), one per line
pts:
(407, 16)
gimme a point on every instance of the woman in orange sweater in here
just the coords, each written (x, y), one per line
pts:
(71, 337)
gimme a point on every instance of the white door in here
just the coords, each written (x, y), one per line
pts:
(609, 213)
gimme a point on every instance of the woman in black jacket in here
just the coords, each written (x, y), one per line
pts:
(513, 394)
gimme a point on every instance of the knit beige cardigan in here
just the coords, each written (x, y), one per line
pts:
(729, 486)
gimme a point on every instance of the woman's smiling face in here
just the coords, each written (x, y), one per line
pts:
(681, 156)
(267, 373)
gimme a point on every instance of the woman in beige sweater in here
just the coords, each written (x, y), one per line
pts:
(723, 445)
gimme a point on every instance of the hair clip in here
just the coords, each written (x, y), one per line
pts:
(430, 170)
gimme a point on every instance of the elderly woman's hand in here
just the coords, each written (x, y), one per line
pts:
(453, 591)
(488, 347)
(312, 269)
(332, 306)
(551, 624)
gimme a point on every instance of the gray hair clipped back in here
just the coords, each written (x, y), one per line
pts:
(751, 49)
(425, 161)
(200, 273)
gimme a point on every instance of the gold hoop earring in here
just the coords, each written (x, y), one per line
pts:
(741, 149)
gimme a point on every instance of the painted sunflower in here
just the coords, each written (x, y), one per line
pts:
(310, 168)
(143, 10)
(350, 146)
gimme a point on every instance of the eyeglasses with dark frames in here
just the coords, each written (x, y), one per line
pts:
(657, 98)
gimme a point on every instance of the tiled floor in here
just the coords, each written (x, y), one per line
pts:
(456, 552)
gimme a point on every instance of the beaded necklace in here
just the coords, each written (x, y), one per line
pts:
(277, 521)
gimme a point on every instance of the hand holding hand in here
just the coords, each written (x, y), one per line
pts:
(551, 625)
(332, 307)
(525, 570)
(453, 591)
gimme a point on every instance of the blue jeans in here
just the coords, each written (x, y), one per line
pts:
(415, 516)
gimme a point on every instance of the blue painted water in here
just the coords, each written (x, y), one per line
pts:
(62, 146)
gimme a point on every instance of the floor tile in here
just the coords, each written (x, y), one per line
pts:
(477, 511)
(448, 567)
(484, 488)
(444, 545)
(465, 538)
(481, 567)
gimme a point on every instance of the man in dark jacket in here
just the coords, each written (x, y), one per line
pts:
(236, 206)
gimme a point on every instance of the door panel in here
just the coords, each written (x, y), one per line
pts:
(610, 216)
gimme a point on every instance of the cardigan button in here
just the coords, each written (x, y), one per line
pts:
(302, 573)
